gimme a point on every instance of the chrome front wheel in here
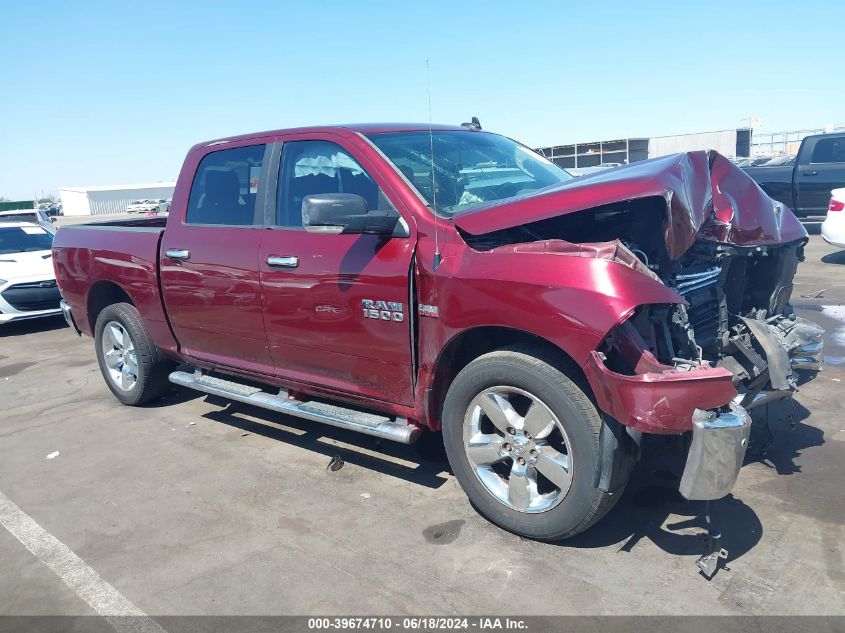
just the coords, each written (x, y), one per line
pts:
(524, 442)
(518, 449)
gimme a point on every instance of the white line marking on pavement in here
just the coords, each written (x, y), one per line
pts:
(76, 574)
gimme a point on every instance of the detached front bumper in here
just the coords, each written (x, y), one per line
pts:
(679, 401)
(716, 454)
(659, 402)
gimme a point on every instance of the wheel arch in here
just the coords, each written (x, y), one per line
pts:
(471, 343)
(101, 295)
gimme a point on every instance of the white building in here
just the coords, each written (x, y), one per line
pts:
(110, 198)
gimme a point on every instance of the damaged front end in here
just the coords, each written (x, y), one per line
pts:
(736, 316)
(730, 341)
(736, 327)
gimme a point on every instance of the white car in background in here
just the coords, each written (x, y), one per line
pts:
(833, 227)
(149, 206)
(35, 216)
(27, 282)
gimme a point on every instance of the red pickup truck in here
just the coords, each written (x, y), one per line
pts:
(396, 279)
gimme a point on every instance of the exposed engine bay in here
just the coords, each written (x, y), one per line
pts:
(738, 313)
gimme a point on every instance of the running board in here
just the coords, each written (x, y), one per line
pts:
(397, 430)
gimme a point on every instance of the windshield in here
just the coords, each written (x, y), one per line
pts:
(23, 239)
(470, 168)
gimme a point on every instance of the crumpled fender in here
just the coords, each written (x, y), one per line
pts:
(571, 295)
(574, 293)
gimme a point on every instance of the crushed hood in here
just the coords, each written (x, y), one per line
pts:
(706, 195)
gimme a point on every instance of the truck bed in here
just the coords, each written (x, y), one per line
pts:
(122, 256)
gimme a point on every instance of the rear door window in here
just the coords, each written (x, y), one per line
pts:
(829, 150)
(225, 187)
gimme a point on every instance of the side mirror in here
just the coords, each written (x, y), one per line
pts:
(344, 213)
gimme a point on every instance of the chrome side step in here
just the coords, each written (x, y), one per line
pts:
(397, 430)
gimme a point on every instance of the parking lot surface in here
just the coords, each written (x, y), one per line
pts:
(196, 506)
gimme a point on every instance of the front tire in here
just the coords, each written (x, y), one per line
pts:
(523, 442)
(133, 368)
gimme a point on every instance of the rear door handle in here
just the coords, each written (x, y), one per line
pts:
(178, 254)
(282, 262)
(811, 173)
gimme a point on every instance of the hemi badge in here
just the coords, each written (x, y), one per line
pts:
(429, 311)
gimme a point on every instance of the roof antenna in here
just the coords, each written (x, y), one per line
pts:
(433, 183)
(474, 124)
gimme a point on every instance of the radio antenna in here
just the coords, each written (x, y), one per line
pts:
(433, 183)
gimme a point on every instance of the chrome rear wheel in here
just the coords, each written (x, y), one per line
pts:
(135, 371)
(120, 357)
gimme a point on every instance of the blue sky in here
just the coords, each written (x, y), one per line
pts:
(116, 92)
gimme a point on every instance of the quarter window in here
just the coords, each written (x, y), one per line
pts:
(314, 167)
(225, 187)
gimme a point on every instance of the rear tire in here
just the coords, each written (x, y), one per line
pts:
(133, 368)
(524, 443)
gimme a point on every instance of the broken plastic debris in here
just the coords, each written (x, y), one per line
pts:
(53, 455)
(365, 495)
(335, 464)
(815, 295)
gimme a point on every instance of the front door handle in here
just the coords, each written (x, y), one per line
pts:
(178, 254)
(282, 262)
(810, 173)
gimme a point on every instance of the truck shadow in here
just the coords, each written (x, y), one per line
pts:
(787, 435)
(420, 463)
(173, 397)
(646, 508)
(651, 507)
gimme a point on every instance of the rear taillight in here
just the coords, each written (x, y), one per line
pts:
(836, 205)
